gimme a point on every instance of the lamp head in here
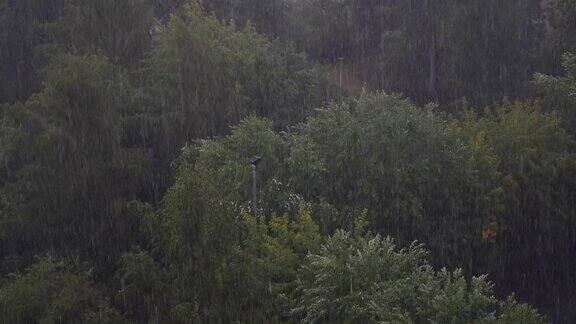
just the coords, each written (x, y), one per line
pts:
(255, 160)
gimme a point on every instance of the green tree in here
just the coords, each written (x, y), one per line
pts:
(271, 17)
(560, 27)
(226, 264)
(50, 292)
(121, 30)
(430, 50)
(144, 291)
(33, 32)
(559, 93)
(205, 76)
(23, 32)
(398, 161)
(366, 279)
(64, 166)
(533, 232)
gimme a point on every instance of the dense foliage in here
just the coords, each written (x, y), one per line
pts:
(367, 280)
(126, 129)
(439, 50)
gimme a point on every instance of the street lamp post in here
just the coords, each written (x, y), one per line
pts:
(341, 59)
(254, 162)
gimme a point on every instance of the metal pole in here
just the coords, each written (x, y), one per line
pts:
(341, 59)
(254, 192)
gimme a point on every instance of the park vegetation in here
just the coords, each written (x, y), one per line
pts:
(418, 161)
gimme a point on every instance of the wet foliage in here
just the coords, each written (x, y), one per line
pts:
(418, 161)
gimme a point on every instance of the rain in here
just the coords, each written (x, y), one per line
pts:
(287, 161)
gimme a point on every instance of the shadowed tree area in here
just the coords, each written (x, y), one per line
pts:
(418, 161)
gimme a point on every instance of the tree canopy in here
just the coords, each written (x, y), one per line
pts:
(418, 161)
